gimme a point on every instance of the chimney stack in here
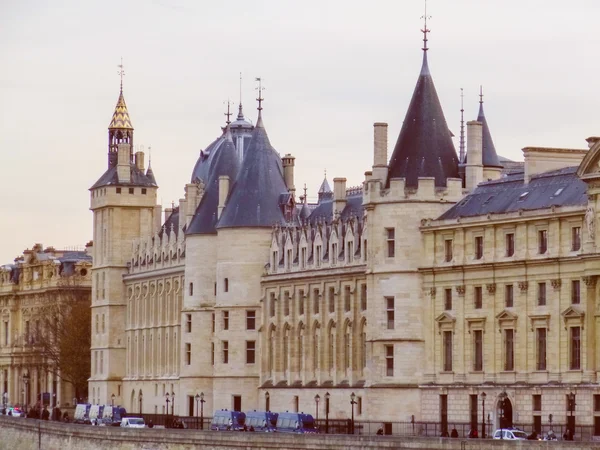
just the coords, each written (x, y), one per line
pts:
(474, 166)
(139, 160)
(288, 172)
(223, 193)
(380, 149)
(339, 195)
(123, 160)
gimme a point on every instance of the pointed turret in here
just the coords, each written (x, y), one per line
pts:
(424, 147)
(120, 129)
(325, 190)
(150, 175)
(490, 157)
(256, 197)
(225, 163)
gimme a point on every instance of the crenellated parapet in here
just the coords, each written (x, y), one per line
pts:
(425, 191)
(337, 242)
(162, 250)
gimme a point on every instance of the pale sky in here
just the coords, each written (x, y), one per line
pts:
(330, 67)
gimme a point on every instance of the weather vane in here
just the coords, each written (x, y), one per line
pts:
(480, 94)
(228, 113)
(425, 30)
(260, 89)
(121, 72)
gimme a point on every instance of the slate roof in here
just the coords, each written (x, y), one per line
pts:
(171, 222)
(138, 178)
(324, 209)
(255, 196)
(202, 167)
(225, 163)
(120, 118)
(150, 175)
(560, 187)
(489, 156)
(424, 147)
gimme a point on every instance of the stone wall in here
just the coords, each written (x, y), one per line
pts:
(28, 434)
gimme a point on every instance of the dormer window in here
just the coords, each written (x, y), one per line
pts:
(523, 196)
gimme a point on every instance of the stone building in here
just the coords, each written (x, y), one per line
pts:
(26, 286)
(440, 278)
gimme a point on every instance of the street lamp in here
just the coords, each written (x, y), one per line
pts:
(352, 402)
(327, 412)
(483, 395)
(140, 397)
(167, 399)
(26, 380)
(201, 409)
(112, 400)
(317, 399)
(503, 396)
(267, 401)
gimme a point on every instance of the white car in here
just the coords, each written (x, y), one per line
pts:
(133, 422)
(15, 411)
(510, 434)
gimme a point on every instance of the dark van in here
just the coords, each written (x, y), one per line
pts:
(112, 415)
(262, 421)
(301, 423)
(224, 420)
(81, 415)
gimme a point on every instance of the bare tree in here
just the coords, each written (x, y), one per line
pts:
(63, 339)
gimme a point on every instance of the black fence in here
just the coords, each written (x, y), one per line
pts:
(344, 426)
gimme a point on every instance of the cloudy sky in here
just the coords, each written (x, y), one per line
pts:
(330, 67)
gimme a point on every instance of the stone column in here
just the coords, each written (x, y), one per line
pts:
(589, 367)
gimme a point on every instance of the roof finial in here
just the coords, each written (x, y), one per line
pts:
(480, 94)
(121, 72)
(305, 190)
(240, 113)
(228, 113)
(461, 155)
(260, 98)
(425, 30)
(325, 170)
(149, 155)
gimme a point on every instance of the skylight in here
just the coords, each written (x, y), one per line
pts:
(523, 195)
(558, 192)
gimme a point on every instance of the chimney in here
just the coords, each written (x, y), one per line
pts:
(474, 166)
(339, 195)
(123, 159)
(139, 160)
(380, 149)
(288, 172)
(223, 192)
(192, 196)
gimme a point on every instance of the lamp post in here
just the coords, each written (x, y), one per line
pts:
(317, 399)
(26, 381)
(112, 400)
(167, 399)
(327, 412)
(483, 395)
(352, 403)
(201, 410)
(267, 401)
(197, 400)
(140, 399)
(503, 396)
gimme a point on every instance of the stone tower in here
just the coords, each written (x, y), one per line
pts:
(123, 202)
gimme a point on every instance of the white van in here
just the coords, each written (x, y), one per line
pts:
(133, 422)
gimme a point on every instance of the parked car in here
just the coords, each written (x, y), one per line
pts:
(301, 423)
(262, 421)
(510, 434)
(133, 422)
(225, 420)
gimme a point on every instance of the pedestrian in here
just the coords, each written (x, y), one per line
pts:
(45, 413)
(57, 414)
(150, 424)
(66, 417)
(454, 433)
(380, 431)
(473, 433)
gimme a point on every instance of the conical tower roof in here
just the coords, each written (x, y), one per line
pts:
(255, 199)
(120, 118)
(489, 157)
(424, 147)
(225, 163)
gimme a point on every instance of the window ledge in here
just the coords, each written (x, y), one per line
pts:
(443, 372)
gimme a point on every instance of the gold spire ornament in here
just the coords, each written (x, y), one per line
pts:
(120, 118)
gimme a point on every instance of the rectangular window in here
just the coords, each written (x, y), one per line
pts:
(118, 190)
(537, 402)
(390, 312)
(448, 299)
(443, 414)
(509, 349)
(473, 404)
(596, 403)
(331, 300)
(226, 285)
(272, 304)
(391, 242)
(448, 250)
(286, 303)
(389, 360)
(212, 353)
(27, 331)
(540, 348)
(478, 247)
(301, 300)
(478, 350)
(5, 335)
(250, 352)
(509, 295)
(225, 352)
(315, 301)
(188, 323)
(358, 406)
(575, 239)
(575, 292)
(541, 294)
(334, 253)
(537, 424)
(191, 289)
(226, 320)
(447, 341)
(542, 241)
(213, 322)
(478, 297)
(347, 298)
(131, 191)
(510, 244)
(144, 191)
(575, 357)
(350, 252)
(363, 297)
(188, 354)
(250, 320)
